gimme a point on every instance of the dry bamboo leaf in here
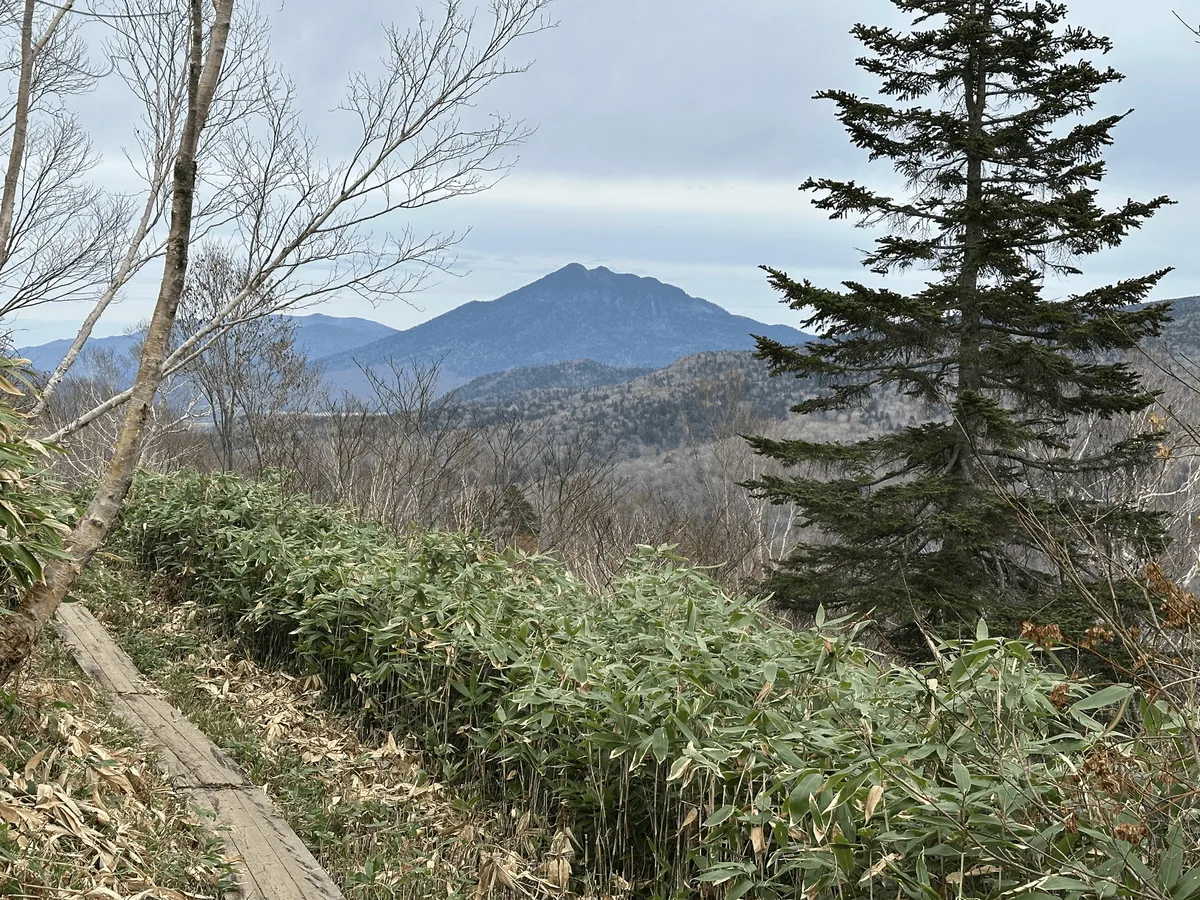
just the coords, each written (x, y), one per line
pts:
(878, 867)
(874, 796)
(759, 841)
(35, 761)
(691, 817)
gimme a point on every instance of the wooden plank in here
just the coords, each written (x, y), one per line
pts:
(101, 659)
(275, 863)
(190, 758)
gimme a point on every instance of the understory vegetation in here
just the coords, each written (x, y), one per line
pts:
(84, 811)
(359, 797)
(664, 738)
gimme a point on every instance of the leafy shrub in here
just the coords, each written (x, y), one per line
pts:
(31, 525)
(690, 743)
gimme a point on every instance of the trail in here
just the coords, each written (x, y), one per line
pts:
(274, 865)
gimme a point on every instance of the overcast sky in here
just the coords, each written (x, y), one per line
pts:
(672, 135)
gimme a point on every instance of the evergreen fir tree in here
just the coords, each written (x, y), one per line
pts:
(987, 113)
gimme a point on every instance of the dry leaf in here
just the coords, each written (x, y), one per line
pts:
(758, 839)
(878, 867)
(874, 795)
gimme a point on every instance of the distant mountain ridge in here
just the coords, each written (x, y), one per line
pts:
(317, 335)
(572, 331)
(574, 313)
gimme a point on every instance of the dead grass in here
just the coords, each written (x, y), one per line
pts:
(363, 802)
(84, 811)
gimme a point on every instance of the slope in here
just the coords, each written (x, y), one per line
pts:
(572, 314)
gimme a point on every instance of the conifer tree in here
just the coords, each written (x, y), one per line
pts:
(986, 111)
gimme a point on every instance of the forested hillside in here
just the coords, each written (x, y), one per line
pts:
(571, 377)
(690, 400)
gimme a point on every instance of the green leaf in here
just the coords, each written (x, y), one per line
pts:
(740, 888)
(962, 778)
(1187, 887)
(1114, 693)
(1064, 883)
(719, 816)
(660, 745)
(1170, 866)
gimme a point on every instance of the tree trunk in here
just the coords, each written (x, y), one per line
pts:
(970, 380)
(20, 630)
(16, 151)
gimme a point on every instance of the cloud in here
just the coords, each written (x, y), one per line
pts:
(672, 135)
(660, 196)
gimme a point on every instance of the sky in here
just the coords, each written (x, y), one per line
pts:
(672, 136)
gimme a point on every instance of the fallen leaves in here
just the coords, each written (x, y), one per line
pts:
(91, 819)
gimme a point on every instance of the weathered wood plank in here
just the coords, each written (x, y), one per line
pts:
(275, 863)
(101, 659)
(191, 759)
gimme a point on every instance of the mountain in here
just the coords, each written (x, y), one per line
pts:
(571, 332)
(316, 335)
(319, 336)
(696, 398)
(572, 314)
(45, 357)
(1181, 337)
(571, 376)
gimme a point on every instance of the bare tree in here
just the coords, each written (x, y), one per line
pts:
(251, 374)
(171, 440)
(148, 53)
(727, 525)
(57, 232)
(309, 229)
(19, 631)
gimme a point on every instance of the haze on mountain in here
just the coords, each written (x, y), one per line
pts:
(316, 336)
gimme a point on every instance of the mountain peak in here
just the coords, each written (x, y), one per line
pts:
(573, 313)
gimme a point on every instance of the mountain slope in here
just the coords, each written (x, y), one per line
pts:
(572, 314)
(572, 376)
(1181, 337)
(45, 357)
(316, 335)
(697, 398)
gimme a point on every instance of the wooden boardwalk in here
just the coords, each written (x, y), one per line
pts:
(274, 865)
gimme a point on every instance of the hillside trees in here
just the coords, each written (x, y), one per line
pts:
(302, 226)
(987, 116)
(251, 373)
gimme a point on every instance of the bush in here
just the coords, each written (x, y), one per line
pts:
(31, 524)
(688, 742)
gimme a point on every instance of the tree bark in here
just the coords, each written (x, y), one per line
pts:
(16, 151)
(19, 632)
(970, 348)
